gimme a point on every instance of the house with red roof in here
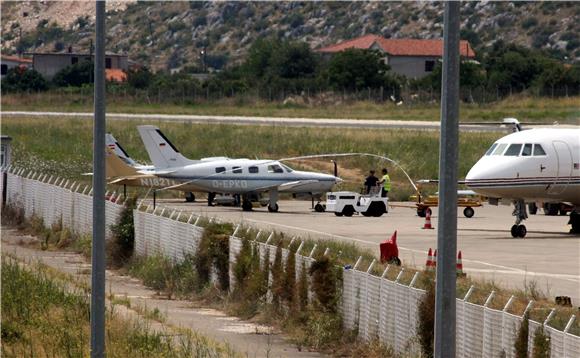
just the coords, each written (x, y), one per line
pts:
(8, 62)
(412, 58)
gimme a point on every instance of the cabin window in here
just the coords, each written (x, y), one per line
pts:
(527, 151)
(220, 170)
(275, 169)
(538, 150)
(237, 170)
(253, 170)
(288, 169)
(429, 66)
(490, 150)
(513, 150)
(500, 148)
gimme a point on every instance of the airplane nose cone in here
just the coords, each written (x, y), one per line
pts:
(337, 180)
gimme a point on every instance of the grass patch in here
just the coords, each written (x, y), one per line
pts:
(64, 147)
(43, 316)
(564, 110)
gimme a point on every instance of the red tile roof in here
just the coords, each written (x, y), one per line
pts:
(16, 59)
(115, 74)
(400, 47)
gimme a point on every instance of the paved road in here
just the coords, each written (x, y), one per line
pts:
(269, 121)
(247, 338)
(548, 255)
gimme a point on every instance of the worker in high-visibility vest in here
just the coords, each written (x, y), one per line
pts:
(386, 183)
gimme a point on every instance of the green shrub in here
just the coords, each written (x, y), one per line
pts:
(426, 317)
(213, 254)
(277, 278)
(521, 343)
(325, 283)
(303, 288)
(120, 246)
(289, 286)
(541, 344)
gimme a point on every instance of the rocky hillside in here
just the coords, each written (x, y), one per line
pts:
(171, 35)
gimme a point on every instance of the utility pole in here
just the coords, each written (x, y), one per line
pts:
(445, 315)
(98, 253)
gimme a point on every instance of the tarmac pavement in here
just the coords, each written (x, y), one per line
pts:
(548, 255)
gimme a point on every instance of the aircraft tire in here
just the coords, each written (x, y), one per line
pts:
(468, 212)
(522, 231)
(273, 209)
(189, 197)
(421, 213)
(247, 205)
(575, 222)
(337, 213)
(514, 231)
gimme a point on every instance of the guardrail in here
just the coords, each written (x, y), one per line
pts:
(374, 306)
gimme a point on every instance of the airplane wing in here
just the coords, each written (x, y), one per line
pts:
(131, 177)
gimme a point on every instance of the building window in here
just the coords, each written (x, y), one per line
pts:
(74, 60)
(429, 66)
(4, 69)
(108, 62)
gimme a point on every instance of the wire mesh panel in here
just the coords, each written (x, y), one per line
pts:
(556, 342)
(510, 326)
(370, 307)
(473, 327)
(459, 324)
(348, 299)
(571, 345)
(533, 327)
(492, 328)
(235, 248)
(387, 313)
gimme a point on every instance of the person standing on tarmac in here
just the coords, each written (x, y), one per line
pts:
(386, 183)
(370, 182)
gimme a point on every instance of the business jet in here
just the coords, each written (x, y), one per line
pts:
(232, 176)
(536, 165)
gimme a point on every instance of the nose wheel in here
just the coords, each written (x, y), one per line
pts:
(519, 231)
(521, 214)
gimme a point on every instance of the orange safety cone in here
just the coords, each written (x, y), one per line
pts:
(430, 265)
(459, 266)
(428, 221)
(435, 259)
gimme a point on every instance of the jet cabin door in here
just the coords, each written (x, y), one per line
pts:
(564, 171)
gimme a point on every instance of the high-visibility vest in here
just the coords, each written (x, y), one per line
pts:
(387, 182)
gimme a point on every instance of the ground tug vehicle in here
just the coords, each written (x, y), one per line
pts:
(347, 203)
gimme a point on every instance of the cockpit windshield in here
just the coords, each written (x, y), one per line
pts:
(287, 168)
(500, 149)
(490, 150)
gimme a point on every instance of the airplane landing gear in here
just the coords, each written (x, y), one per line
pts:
(273, 204)
(246, 203)
(521, 214)
(575, 222)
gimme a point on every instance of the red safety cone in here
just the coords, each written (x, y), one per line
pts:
(459, 266)
(428, 221)
(430, 265)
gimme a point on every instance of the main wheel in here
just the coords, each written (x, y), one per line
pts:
(522, 231)
(468, 212)
(273, 209)
(514, 231)
(337, 213)
(189, 197)
(421, 213)
(348, 210)
(247, 205)
(319, 208)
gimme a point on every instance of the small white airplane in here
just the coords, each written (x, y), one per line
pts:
(536, 165)
(234, 176)
(113, 145)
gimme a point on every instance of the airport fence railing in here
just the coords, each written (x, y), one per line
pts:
(375, 307)
(58, 200)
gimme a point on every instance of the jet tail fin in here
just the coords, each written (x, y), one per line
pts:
(112, 144)
(162, 152)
